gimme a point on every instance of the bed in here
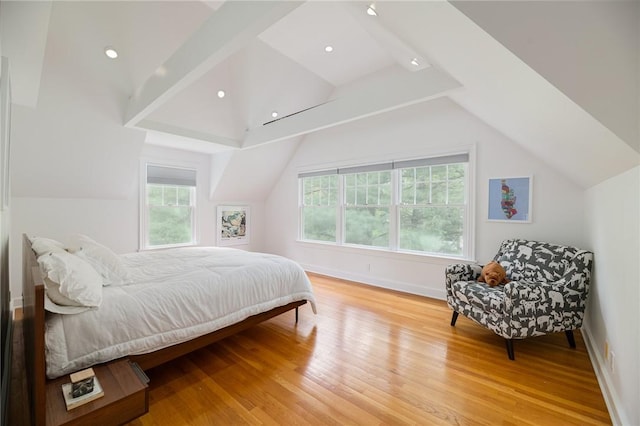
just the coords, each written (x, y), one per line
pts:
(180, 300)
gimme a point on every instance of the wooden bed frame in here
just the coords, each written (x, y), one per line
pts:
(34, 326)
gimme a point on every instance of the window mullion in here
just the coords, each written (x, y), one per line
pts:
(340, 208)
(394, 223)
(433, 194)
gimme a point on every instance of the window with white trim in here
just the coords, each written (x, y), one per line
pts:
(170, 203)
(410, 206)
(367, 208)
(319, 201)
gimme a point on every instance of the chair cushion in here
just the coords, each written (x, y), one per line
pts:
(480, 295)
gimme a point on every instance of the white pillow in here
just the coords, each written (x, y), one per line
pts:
(108, 264)
(63, 309)
(44, 246)
(71, 281)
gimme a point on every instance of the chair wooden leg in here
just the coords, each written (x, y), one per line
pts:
(572, 341)
(509, 343)
(454, 317)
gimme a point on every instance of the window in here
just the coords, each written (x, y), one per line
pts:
(319, 203)
(432, 209)
(170, 201)
(412, 206)
(367, 208)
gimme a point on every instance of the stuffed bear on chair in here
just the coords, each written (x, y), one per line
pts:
(493, 274)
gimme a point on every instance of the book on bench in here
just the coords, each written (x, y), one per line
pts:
(72, 402)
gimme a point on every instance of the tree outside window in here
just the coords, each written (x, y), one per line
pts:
(414, 206)
(170, 202)
(170, 214)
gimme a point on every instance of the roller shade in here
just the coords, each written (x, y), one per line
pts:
(432, 161)
(163, 175)
(403, 164)
(365, 169)
(318, 173)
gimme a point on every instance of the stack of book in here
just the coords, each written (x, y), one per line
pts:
(84, 388)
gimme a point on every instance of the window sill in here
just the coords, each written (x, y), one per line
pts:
(168, 246)
(385, 253)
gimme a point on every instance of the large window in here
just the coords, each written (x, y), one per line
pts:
(412, 206)
(170, 201)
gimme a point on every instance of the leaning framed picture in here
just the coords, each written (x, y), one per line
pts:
(233, 225)
(510, 199)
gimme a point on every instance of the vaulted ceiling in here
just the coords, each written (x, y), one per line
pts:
(268, 57)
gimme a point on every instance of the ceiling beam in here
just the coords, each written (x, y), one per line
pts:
(188, 133)
(387, 93)
(230, 28)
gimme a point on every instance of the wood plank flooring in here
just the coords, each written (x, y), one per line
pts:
(372, 356)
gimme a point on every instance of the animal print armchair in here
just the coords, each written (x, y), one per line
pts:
(547, 293)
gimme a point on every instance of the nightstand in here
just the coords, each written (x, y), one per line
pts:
(125, 397)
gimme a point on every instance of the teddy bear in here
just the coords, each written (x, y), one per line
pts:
(493, 274)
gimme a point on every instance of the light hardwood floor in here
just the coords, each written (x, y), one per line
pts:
(372, 356)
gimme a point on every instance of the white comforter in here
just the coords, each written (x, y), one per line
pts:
(175, 295)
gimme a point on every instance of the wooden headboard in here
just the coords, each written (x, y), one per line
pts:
(33, 331)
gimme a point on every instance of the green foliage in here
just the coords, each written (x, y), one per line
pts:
(319, 224)
(432, 229)
(371, 188)
(169, 225)
(431, 208)
(170, 214)
(367, 226)
(320, 190)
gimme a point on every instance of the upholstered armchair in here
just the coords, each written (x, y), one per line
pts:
(547, 293)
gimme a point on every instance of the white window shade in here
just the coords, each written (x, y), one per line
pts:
(432, 161)
(163, 175)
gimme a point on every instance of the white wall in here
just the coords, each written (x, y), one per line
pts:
(76, 168)
(435, 127)
(612, 228)
(114, 222)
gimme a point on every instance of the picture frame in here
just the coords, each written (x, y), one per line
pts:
(510, 199)
(233, 225)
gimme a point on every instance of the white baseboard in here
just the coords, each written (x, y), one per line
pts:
(611, 398)
(15, 303)
(377, 282)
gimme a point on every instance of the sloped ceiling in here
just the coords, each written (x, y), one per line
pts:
(597, 43)
(270, 57)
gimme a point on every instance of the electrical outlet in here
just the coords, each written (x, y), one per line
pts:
(612, 365)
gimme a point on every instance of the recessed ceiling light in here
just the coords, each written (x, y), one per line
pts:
(328, 49)
(415, 62)
(371, 10)
(221, 94)
(274, 114)
(110, 52)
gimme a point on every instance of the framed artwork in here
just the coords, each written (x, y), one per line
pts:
(510, 199)
(233, 225)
